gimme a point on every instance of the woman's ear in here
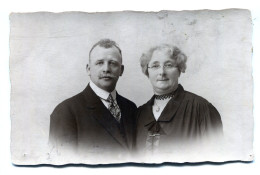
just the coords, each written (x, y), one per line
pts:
(179, 72)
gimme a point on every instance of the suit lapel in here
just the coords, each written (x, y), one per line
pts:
(103, 116)
(126, 120)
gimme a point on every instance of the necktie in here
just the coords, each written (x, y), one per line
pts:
(114, 108)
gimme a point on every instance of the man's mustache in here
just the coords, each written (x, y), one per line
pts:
(106, 76)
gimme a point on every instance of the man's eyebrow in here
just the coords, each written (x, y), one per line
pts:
(154, 62)
(99, 60)
(113, 60)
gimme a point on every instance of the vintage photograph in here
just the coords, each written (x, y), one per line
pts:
(142, 87)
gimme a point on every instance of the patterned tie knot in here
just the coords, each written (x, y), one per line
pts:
(114, 108)
(110, 99)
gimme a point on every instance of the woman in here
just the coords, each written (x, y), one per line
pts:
(173, 119)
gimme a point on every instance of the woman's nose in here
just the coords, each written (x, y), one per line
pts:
(161, 70)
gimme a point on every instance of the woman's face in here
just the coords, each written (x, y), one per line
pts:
(163, 72)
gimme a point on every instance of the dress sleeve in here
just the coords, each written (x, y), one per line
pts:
(211, 124)
(215, 120)
(211, 139)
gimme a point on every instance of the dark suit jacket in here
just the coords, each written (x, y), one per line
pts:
(83, 125)
(187, 119)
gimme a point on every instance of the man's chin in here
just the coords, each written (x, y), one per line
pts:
(108, 86)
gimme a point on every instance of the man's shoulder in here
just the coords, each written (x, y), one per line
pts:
(127, 101)
(69, 103)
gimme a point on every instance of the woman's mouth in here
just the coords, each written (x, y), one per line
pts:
(165, 79)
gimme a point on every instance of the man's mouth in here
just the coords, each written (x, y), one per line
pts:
(106, 77)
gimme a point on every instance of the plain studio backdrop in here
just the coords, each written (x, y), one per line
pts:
(49, 53)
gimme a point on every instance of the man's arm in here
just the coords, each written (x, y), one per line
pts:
(63, 129)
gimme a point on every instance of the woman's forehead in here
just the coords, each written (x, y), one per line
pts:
(161, 56)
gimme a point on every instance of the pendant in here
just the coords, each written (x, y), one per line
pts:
(157, 109)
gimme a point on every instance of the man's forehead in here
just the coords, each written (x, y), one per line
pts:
(99, 49)
(102, 52)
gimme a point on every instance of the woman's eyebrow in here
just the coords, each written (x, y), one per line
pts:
(169, 61)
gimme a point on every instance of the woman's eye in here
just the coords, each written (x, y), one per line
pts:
(168, 65)
(155, 66)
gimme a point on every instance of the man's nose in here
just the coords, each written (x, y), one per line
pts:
(106, 67)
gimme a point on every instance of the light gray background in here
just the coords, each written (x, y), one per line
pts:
(5, 160)
(49, 53)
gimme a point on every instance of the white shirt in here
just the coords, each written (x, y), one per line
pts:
(159, 104)
(102, 93)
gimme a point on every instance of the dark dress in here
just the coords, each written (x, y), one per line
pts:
(188, 120)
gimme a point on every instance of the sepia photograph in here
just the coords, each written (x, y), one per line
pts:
(129, 86)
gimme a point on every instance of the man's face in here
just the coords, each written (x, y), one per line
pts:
(105, 67)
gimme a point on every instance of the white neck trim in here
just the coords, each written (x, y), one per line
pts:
(100, 92)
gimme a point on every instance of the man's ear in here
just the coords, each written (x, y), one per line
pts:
(122, 70)
(88, 69)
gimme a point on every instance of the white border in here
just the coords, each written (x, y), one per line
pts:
(9, 6)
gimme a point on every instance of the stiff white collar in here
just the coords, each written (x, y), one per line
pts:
(100, 92)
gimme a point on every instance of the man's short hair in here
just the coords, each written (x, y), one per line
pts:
(105, 43)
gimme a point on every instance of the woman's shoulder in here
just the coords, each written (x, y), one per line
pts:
(143, 105)
(185, 96)
(189, 96)
(146, 106)
(206, 112)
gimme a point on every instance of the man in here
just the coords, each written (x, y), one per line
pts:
(97, 121)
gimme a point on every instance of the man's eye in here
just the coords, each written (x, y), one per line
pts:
(112, 63)
(99, 63)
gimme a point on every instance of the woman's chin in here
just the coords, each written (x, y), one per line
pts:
(162, 89)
